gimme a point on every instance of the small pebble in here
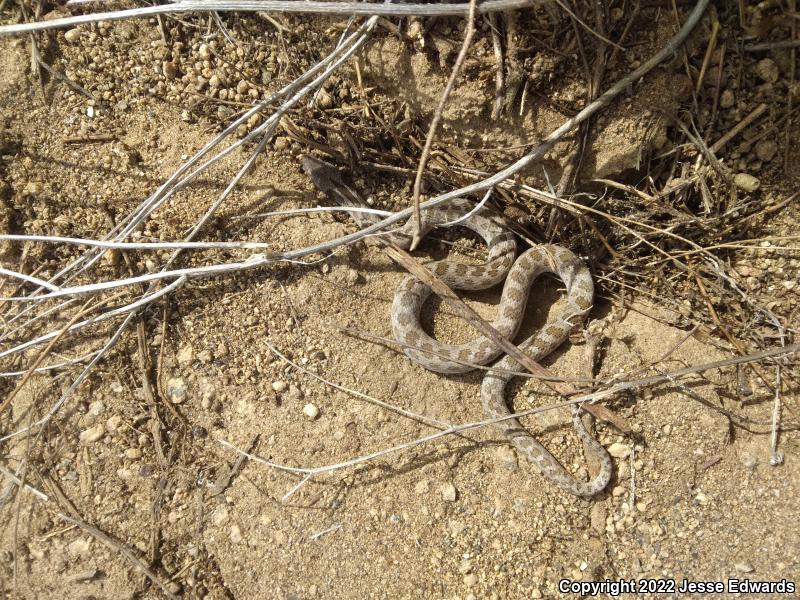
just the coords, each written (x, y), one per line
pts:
(470, 580)
(743, 567)
(91, 435)
(170, 69)
(726, 99)
(597, 517)
(619, 450)
(746, 182)
(79, 547)
(279, 386)
(133, 453)
(448, 492)
(506, 458)
(766, 150)
(97, 408)
(767, 70)
(324, 100)
(185, 356)
(351, 277)
(176, 390)
(311, 411)
(113, 423)
(422, 487)
(236, 534)
(73, 35)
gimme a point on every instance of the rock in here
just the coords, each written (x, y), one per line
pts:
(311, 411)
(351, 277)
(97, 408)
(79, 547)
(743, 567)
(176, 390)
(470, 580)
(619, 450)
(185, 356)
(597, 517)
(170, 69)
(422, 487)
(204, 52)
(767, 70)
(746, 182)
(73, 35)
(749, 461)
(506, 458)
(133, 453)
(726, 99)
(91, 435)
(220, 515)
(279, 386)
(236, 534)
(766, 150)
(113, 423)
(448, 492)
(324, 100)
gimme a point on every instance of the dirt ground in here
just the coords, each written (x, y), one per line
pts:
(133, 480)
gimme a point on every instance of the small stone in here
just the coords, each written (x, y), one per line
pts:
(701, 498)
(767, 70)
(619, 450)
(242, 87)
(133, 453)
(204, 52)
(91, 435)
(351, 277)
(470, 580)
(324, 100)
(294, 393)
(113, 423)
(170, 69)
(279, 386)
(220, 515)
(215, 82)
(422, 487)
(726, 99)
(746, 182)
(766, 150)
(176, 390)
(749, 461)
(185, 356)
(97, 408)
(236, 534)
(79, 547)
(448, 492)
(73, 35)
(536, 593)
(743, 567)
(597, 517)
(311, 411)
(506, 458)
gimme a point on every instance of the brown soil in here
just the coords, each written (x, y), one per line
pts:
(694, 495)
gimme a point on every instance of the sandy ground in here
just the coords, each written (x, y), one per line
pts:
(693, 496)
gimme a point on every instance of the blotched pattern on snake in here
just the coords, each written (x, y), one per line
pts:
(519, 275)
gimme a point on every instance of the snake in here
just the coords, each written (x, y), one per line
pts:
(517, 275)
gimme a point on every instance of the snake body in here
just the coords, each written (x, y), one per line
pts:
(519, 275)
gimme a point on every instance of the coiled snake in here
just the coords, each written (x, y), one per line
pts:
(518, 276)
